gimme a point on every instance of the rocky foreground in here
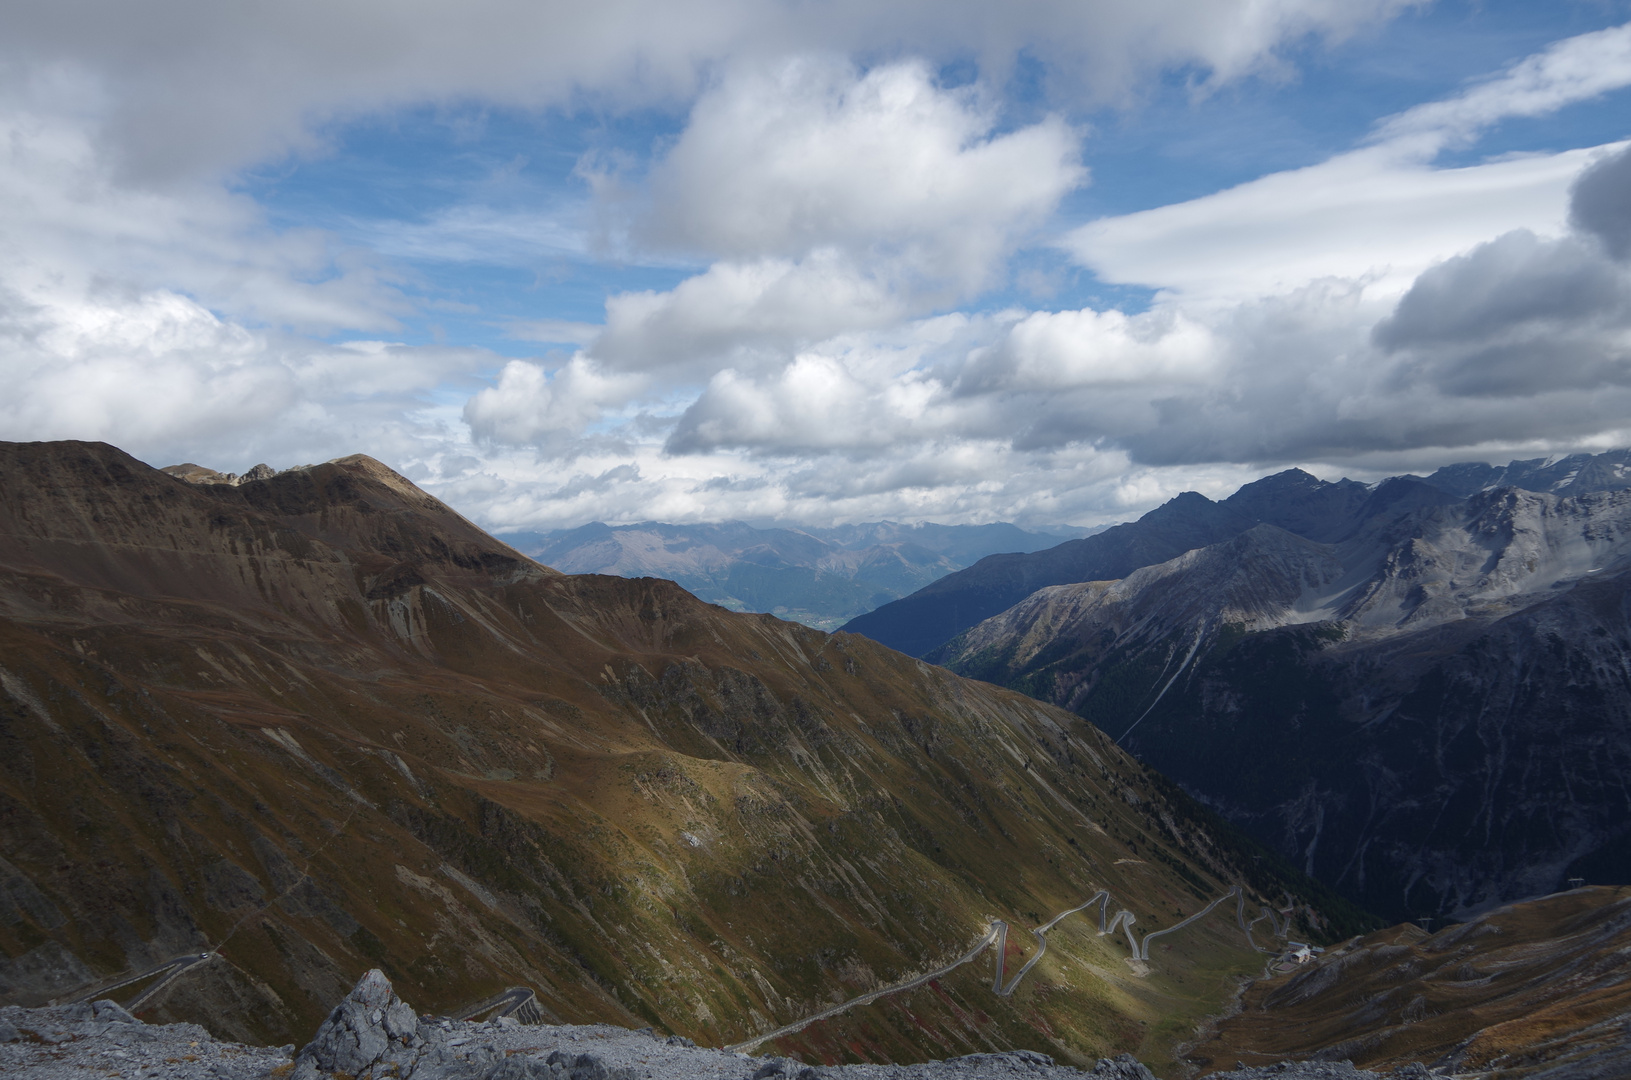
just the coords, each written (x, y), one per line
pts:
(373, 1034)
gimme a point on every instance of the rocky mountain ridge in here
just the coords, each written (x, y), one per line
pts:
(1427, 710)
(317, 723)
(1321, 511)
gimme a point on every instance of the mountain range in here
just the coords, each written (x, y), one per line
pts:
(285, 728)
(1293, 501)
(1419, 691)
(817, 576)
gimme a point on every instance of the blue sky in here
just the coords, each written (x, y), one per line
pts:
(817, 262)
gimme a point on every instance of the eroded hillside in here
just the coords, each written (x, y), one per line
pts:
(317, 723)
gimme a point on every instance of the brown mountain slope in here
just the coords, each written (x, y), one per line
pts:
(1516, 992)
(319, 722)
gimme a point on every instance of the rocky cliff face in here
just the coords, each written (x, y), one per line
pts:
(1430, 710)
(316, 722)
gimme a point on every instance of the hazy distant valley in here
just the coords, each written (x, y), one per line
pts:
(819, 577)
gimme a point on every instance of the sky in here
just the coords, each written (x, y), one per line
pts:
(818, 261)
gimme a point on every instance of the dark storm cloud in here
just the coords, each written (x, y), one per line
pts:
(1600, 204)
(1522, 314)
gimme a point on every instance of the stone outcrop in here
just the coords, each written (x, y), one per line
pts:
(372, 1033)
(1122, 1067)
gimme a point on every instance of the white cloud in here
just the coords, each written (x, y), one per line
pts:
(1364, 214)
(1572, 70)
(840, 201)
(532, 407)
(193, 85)
(816, 403)
(960, 480)
(1050, 351)
(809, 153)
(1381, 212)
(798, 375)
(734, 311)
(70, 226)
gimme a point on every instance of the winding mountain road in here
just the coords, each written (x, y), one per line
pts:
(168, 971)
(998, 935)
(517, 1001)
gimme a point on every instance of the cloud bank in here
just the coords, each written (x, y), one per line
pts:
(844, 340)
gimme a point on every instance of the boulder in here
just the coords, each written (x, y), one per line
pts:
(371, 1034)
(1122, 1067)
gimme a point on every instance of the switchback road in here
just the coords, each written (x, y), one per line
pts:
(517, 1001)
(166, 971)
(998, 935)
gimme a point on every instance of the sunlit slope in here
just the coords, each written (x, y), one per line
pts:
(321, 723)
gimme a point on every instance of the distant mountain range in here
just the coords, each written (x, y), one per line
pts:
(931, 616)
(1419, 690)
(817, 576)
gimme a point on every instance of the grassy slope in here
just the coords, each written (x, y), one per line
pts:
(323, 723)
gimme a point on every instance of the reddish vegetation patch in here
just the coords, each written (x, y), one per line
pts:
(1512, 990)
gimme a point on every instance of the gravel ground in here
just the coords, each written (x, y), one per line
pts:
(373, 1035)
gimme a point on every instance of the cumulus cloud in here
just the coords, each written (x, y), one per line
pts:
(530, 407)
(745, 313)
(190, 85)
(1049, 351)
(810, 153)
(1600, 203)
(174, 322)
(1367, 309)
(1524, 315)
(816, 403)
(836, 200)
(159, 375)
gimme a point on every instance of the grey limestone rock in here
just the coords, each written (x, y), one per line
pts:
(1029, 1059)
(370, 1034)
(1300, 1070)
(111, 1012)
(521, 1068)
(1122, 1067)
